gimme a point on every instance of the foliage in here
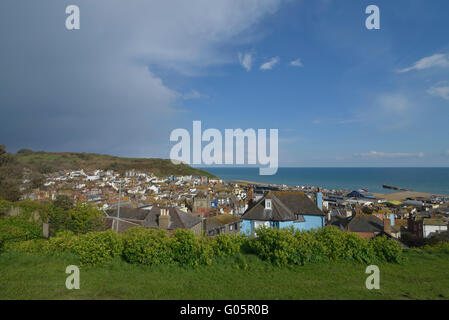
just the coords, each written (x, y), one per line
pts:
(440, 247)
(98, 247)
(10, 176)
(146, 246)
(286, 246)
(17, 227)
(189, 249)
(79, 218)
(84, 218)
(226, 244)
(280, 247)
(386, 250)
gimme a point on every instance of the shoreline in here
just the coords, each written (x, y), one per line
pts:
(400, 195)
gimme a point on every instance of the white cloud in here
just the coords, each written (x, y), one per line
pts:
(335, 121)
(296, 63)
(436, 60)
(270, 64)
(246, 60)
(389, 155)
(390, 111)
(193, 95)
(394, 104)
(442, 92)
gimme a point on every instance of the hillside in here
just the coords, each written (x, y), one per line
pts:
(48, 162)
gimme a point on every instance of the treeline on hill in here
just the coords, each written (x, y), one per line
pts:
(23, 220)
(31, 165)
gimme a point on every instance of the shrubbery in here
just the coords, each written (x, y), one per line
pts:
(280, 247)
(188, 249)
(14, 229)
(146, 246)
(440, 247)
(227, 245)
(386, 250)
(285, 246)
(98, 247)
(79, 218)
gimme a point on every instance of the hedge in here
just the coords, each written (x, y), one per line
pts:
(278, 246)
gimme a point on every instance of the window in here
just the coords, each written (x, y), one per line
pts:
(267, 203)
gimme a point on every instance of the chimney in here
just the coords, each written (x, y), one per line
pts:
(387, 226)
(250, 197)
(357, 210)
(319, 199)
(164, 219)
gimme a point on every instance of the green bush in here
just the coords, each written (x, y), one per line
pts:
(276, 246)
(155, 247)
(226, 245)
(308, 249)
(286, 246)
(359, 249)
(386, 250)
(190, 250)
(440, 247)
(30, 246)
(80, 218)
(98, 247)
(84, 218)
(147, 246)
(18, 229)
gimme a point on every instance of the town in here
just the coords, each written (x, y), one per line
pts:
(214, 206)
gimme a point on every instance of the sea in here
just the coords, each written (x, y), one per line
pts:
(429, 180)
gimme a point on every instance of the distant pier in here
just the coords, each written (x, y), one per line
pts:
(386, 186)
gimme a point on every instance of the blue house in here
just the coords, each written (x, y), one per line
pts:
(283, 209)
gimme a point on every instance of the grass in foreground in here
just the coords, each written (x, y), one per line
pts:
(26, 276)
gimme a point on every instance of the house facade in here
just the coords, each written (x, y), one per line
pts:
(283, 209)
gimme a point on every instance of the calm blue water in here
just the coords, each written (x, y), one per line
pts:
(432, 180)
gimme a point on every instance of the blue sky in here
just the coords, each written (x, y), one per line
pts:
(131, 74)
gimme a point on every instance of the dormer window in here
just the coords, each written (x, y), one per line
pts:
(268, 204)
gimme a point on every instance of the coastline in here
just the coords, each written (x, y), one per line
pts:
(420, 180)
(394, 196)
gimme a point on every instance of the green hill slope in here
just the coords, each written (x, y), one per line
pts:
(48, 162)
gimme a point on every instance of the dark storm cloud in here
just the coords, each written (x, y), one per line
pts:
(91, 89)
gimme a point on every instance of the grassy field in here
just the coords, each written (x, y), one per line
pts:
(22, 276)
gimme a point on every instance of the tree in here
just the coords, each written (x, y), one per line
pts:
(37, 181)
(78, 218)
(9, 189)
(64, 202)
(10, 176)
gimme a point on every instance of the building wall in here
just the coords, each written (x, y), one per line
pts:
(312, 222)
(428, 229)
(246, 227)
(198, 229)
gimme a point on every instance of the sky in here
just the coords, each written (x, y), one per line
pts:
(339, 94)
